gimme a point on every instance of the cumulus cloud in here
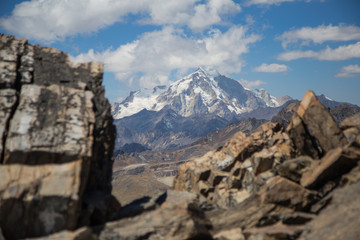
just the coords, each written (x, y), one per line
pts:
(251, 84)
(349, 71)
(48, 20)
(340, 53)
(156, 55)
(320, 34)
(266, 2)
(271, 68)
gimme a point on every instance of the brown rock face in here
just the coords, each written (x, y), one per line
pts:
(313, 130)
(53, 114)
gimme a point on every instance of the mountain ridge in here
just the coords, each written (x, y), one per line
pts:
(198, 93)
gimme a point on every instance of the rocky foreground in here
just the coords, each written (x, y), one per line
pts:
(57, 139)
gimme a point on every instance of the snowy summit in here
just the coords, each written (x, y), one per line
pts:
(200, 92)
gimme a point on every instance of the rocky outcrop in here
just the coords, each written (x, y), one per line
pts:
(279, 184)
(56, 141)
(243, 163)
(312, 128)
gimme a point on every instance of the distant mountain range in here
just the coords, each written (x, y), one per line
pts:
(176, 116)
(198, 93)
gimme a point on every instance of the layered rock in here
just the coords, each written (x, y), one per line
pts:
(56, 140)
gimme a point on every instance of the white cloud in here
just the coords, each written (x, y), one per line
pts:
(266, 2)
(271, 68)
(210, 13)
(349, 71)
(320, 34)
(48, 20)
(155, 55)
(251, 84)
(329, 54)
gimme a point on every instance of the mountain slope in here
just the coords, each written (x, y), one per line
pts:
(165, 129)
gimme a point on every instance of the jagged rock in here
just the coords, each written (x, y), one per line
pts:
(258, 178)
(39, 200)
(243, 163)
(313, 130)
(335, 163)
(54, 111)
(340, 219)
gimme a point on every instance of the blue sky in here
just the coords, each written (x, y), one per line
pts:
(283, 46)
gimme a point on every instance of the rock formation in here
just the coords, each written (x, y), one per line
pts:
(57, 138)
(279, 184)
(56, 141)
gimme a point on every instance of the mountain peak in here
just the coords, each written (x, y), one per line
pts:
(207, 71)
(201, 92)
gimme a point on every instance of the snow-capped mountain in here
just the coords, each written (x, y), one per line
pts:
(198, 93)
(137, 101)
